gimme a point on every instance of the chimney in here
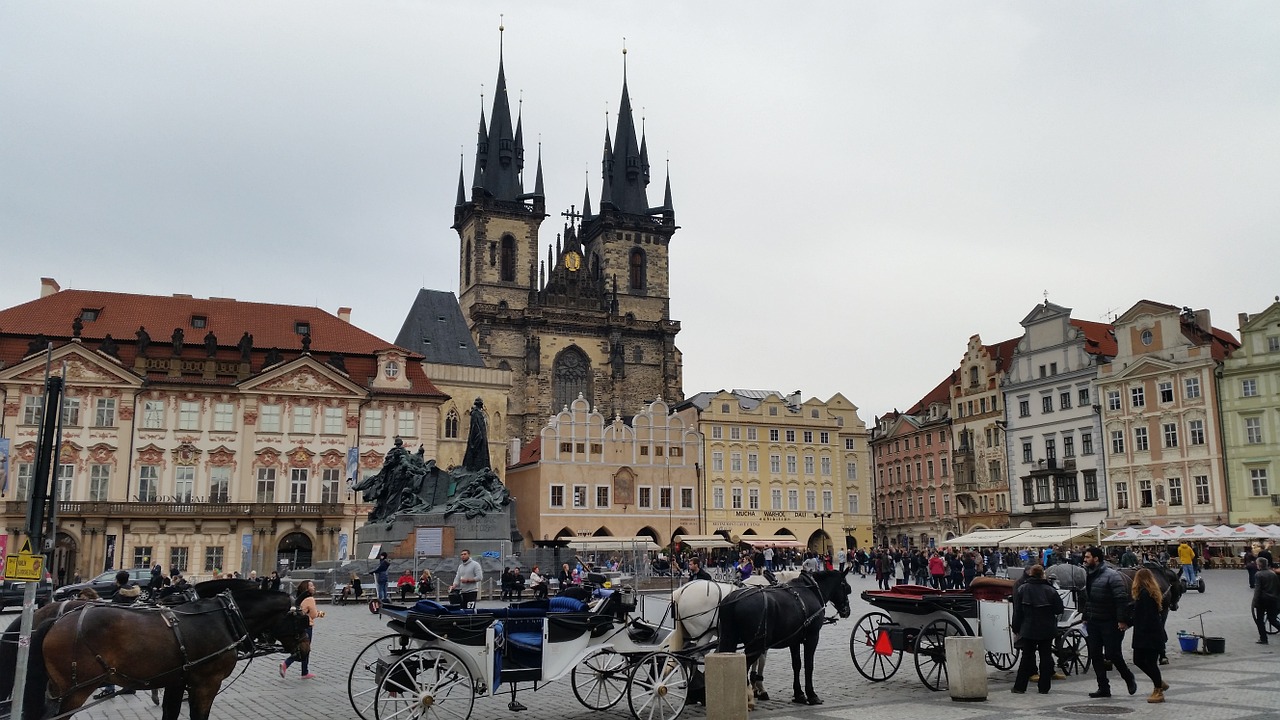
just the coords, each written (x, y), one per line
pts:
(344, 314)
(1243, 319)
(795, 399)
(513, 452)
(1202, 320)
(48, 286)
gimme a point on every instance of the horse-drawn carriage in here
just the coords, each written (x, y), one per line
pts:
(919, 619)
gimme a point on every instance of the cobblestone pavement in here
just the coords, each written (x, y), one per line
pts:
(1238, 685)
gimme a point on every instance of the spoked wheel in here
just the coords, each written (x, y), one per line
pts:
(600, 680)
(872, 653)
(1072, 652)
(370, 668)
(426, 684)
(1271, 629)
(658, 687)
(931, 654)
(1003, 661)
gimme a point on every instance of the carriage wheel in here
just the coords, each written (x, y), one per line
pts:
(1271, 629)
(426, 684)
(370, 667)
(931, 654)
(658, 687)
(600, 680)
(1003, 661)
(872, 654)
(1072, 652)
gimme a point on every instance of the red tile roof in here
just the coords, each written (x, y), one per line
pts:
(1002, 353)
(530, 454)
(272, 326)
(940, 394)
(1099, 338)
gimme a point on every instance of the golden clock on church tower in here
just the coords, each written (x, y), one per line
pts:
(573, 261)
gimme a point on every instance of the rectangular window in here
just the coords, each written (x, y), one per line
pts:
(179, 557)
(213, 559)
(1046, 404)
(736, 498)
(717, 461)
(557, 496)
(184, 483)
(1145, 496)
(1202, 489)
(65, 481)
(329, 485)
(851, 471)
(141, 556)
(824, 438)
(808, 464)
(1175, 491)
(1042, 489)
(1050, 448)
(1065, 490)
(148, 483)
(753, 498)
(1140, 439)
(224, 417)
(1064, 400)
(602, 496)
(793, 499)
(372, 423)
(791, 436)
(751, 433)
(717, 498)
(717, 432)
(32, 409)
(645, 498)
(1170, 435)
(808, 436)
(753, 463)
(735, 433)
(825, 466)
(686, 498)
(1086, 443)
(70, 411)
(269, 419)
(1273, 344)
(1253, 431)
(827, 501)
(1249, 387)
(153, 414)
(302, 417)
(105, 413)
(1258, 482)
(849, 444)
(735, 462)
(775, 464)
(773, 434)
(1138, 396)
(334, 421)
(189, 416)
(1117, 442)
(664, 498)
(1165, 389)
(811, 500)
(775, 499)
(99, 482)
(1192, 387)
(1084, 397)
(791, 464)
(993, 471)
(220, 484)
(580, 496)
(1113, 399)
(1195, 432)
(942, 462)
(929, 468)
(853, 505)
(266, 488)
(1026, 451)
(1122, 496)
(1068, 446)
(1090, 484)
(1024, 408)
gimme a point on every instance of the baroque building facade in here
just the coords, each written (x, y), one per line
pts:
(593, 318)
(1249, 398)
(1159, 412)
(913, 484)
(776, 465)
(588, 475)
(226, 451)
(977, 426)
(1053, 431)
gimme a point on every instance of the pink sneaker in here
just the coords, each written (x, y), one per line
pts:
(283, 669)
(309, 676)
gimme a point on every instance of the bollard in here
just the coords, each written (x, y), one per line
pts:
(966, 668)
(726, 686)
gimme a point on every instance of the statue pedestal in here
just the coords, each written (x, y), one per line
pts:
(494, 533)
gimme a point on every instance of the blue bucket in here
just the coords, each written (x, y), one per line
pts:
(1189, 643)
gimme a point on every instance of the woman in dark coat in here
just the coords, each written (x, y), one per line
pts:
(1036, 607)
(1148, 630)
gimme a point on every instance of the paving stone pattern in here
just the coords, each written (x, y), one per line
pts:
(1238, 685)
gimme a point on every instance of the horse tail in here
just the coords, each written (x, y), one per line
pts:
(37, 676)
(9, 658)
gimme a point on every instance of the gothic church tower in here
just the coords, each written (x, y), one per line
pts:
(593, 317)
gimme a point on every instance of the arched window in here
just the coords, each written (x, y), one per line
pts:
(508, 265)
(570, 375)
(466, 266)
(595, 265)
(451, 424)
(637, 269)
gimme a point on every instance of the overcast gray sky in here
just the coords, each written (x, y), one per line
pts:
(860, 186)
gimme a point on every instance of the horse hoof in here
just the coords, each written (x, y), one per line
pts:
(762, 696)
(800, 700)
(815, 700)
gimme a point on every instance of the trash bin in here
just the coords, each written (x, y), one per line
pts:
(1215, 645)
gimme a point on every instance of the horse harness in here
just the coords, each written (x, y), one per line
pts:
(226, 606)
(819, 611)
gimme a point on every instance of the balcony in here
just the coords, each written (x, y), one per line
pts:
(204, 510)
(968, 485)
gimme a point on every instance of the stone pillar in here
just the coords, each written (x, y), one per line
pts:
(726, 677)
(966, 668)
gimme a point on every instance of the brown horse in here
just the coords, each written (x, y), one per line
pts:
(191, 647)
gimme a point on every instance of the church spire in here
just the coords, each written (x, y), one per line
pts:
(537, 180)
(586, 200)
(624, 170)
(500, 154)
(462, 192)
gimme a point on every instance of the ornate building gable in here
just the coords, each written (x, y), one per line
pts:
(84, 368)
(151, 454)
(303, 376)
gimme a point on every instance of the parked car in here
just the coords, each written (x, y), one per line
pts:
(12, 593)
(104, 584)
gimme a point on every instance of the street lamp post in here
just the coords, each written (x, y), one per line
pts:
(822, 523)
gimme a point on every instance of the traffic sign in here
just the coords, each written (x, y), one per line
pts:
(24, 565)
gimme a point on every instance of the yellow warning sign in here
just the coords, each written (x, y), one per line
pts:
(24, 565)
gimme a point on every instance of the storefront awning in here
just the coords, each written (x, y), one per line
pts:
(604, 544)
(771, 541)
(1037, 537)
(982, 538)
(703, 542)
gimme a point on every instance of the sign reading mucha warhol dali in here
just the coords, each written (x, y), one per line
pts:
(410, 484)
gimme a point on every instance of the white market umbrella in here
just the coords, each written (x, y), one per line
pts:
(1197, 532)
(1247, 531)
(1123, 537)
(1273, 529)
(1155, 534)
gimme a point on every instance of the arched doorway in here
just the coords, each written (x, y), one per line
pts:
(565, 533)
(651, 533)
(678, 531)
(602, 532)
(296, 549)
(819, 542)
(65, 552)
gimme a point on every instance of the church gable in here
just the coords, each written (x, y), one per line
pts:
(302, 377)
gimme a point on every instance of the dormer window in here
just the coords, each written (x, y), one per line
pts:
(392, 370)
(302, 328)
(89, 314)
(199, 321)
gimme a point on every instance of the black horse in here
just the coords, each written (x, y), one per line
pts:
(783, 616)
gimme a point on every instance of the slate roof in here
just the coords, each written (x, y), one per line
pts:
(436, 330)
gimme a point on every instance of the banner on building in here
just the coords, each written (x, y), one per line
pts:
(343, 540)
(246, 552)
(4, 465)
(353, 465)
(110, 561)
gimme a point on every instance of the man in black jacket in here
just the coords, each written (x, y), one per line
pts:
(696, 572)
(1036, 607)
(1106, 614)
